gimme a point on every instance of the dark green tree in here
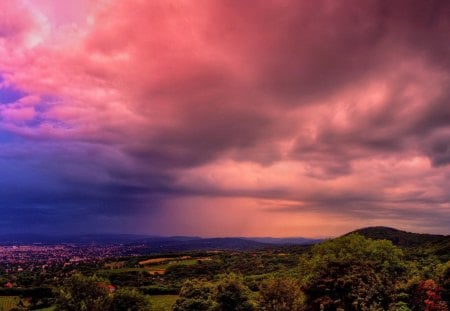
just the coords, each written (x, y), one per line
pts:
(129, 300)
(81, 293)
(195, 295)
(399, 306)
(232, 294)
(352, 273)
(445, 281)
(280, 295)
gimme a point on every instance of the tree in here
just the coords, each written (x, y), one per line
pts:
(428, 297)
(195, 295)
(445, 281)
(81, 293)
(232, 295)
(129, 300)
(280, 295)
(353, 273)
(399, 306)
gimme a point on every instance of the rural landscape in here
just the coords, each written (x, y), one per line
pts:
(376, 268)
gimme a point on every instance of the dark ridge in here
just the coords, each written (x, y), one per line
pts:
(155, 244)
(403, 238)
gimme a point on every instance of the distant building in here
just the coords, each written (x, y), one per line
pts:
(8, 285)
(111, 288)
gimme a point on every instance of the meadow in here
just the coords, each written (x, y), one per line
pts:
(8, 302)
(162, 302)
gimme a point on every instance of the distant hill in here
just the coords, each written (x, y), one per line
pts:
(202, 244)
(286, 241)
(430, 243)
(399, 237)
(154, 244)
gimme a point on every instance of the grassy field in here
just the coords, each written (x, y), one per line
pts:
(162, 302)
(187, 262)
(152, 261)
(159, 268)
(120, 270)
(8, 302)
(159, 303)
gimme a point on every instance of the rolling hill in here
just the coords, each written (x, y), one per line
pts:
(399, 237)
(430, 243)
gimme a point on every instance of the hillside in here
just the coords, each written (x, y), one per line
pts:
(430, 243)
(286, 241)
(399, 237)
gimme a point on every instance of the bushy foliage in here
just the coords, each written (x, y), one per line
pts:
(399, 306)
(81, 293)
(353, 273)
(229, 294)
(129, 300)
(445, 281)
(245, 263)
(278, 294)
(427, 297)
(232, 294)
(195, 295)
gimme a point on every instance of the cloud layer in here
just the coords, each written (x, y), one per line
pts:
(224, 118)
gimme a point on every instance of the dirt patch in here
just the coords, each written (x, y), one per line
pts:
(156, 272)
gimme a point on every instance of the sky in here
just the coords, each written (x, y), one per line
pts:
(224, 117)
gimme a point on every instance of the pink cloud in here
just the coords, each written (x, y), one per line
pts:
(18, 114)
(335, 109)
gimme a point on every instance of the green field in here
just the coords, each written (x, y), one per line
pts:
(162, 302)
(120, 270)
(187, 262)
(159, 303)
(8, 302)
(163, 266)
